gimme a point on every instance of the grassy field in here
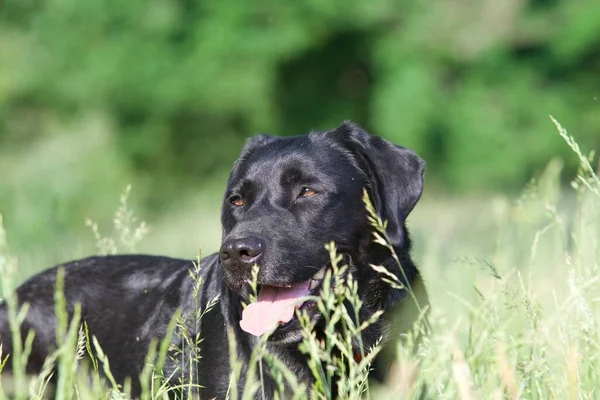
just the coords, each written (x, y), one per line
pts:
(512, 282)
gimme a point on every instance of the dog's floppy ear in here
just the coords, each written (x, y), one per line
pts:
(395, 174)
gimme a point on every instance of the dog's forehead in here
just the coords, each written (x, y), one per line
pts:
(297, 156)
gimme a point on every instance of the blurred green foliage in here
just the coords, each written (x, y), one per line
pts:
(162, 93)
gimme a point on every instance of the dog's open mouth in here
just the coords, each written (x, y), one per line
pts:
(276, 305)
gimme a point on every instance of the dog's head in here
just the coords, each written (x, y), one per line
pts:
(287, 197)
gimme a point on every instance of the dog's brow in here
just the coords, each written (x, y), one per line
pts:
(246, 186)
(292, 175)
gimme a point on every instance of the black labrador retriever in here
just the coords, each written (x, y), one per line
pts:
(285, 199)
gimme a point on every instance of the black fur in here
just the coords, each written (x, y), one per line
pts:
(128, 300)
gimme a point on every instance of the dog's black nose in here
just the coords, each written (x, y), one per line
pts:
(246, 251)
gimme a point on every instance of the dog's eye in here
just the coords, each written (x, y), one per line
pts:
(236, 201)
(307, 192)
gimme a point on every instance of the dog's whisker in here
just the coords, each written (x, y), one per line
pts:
(310, 266)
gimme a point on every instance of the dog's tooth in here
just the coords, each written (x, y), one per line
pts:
(319, 275)
(313, 284)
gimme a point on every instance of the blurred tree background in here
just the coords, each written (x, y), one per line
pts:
(161, 94)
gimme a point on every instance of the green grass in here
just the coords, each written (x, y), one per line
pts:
(514, 311)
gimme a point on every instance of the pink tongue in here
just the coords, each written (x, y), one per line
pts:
(274, 305)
